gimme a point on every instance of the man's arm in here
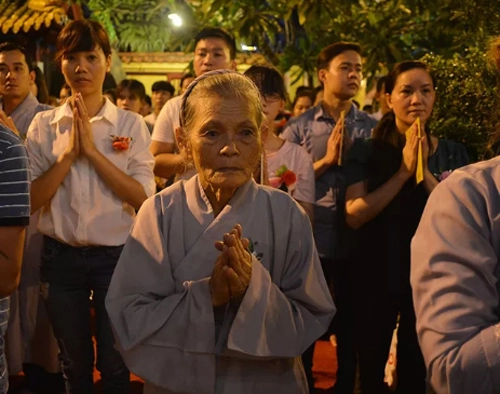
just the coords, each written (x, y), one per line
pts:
(167, 163)
(14, 209)
(11, 256)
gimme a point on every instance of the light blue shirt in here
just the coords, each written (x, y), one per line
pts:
(312, 130)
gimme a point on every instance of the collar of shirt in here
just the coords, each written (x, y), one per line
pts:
(108, 112)
(353, 115)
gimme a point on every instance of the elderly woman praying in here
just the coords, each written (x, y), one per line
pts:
(219, 288)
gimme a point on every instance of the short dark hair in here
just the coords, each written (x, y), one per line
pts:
(330, 52)
(147, 100)
(112, 93)
(217, 32)
(268, 79)
(82, 36)
(303, 91)
(381, 83)
(163, 85)
(11, 46)
(134, 86)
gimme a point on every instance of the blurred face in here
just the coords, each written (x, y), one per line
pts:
(302, 105)
(145, 109)
(382, 101)
(343, 76)
(413, 97)
(159, 98)
(224, 141)
(185, 84)
(64, 95)
(85, 71)
(212, 54)
(128, 101)
(15, 77)
(271, 106)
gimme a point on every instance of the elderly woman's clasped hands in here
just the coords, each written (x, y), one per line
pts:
(233, 269)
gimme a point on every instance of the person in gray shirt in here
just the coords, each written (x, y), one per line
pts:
(339, 69)
(455, 278)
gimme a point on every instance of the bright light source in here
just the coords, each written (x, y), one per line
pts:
(248, 48)
(176, 19)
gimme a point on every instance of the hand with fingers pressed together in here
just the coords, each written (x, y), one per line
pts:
(233, 269)
(333, 145)
(86, 137)
(410, 153)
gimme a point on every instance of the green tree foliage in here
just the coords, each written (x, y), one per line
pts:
(467, 99)
(135, 25)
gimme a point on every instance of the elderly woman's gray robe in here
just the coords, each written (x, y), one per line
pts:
(160, 305)
(455, 276)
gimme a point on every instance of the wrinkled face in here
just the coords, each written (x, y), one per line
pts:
(15, 77)
(212, 54)
(302, 105)
(343, 76)
(85, 71)
(413, 97)
(271, 107)
(159, 98)
(224, 141)
(128, 101)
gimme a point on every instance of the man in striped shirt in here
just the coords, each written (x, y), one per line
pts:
(14, 217)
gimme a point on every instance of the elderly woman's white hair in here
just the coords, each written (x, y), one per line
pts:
(220, 83)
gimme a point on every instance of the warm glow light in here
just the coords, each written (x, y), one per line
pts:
(176, 19)
(249, 48)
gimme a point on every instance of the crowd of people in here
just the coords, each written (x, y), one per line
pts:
(207, 240)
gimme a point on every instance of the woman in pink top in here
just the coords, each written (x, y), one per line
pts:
(289, 166)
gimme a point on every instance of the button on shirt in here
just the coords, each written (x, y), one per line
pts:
(85, 211)
(25, 112)
(312, 130)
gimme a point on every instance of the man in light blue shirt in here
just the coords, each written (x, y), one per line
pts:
(317, 130)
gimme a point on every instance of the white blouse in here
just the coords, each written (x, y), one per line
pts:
(84, 211)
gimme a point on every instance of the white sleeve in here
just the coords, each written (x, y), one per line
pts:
(33, 145)
(167, 122)
(141, 162)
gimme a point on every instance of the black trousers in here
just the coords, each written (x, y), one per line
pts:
(375, 318)
(337, 274)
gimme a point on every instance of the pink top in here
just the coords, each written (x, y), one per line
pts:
(297, 160)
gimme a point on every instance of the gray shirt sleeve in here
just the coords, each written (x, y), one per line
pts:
(454, 277)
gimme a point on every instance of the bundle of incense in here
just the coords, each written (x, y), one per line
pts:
(419, 173)
(342, 130)
(262, 168)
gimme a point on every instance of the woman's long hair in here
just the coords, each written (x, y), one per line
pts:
(386, 129)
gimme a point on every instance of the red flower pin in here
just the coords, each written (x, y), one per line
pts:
(286, 175)
(120, 143)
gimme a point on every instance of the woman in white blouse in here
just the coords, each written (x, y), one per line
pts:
(91, 170)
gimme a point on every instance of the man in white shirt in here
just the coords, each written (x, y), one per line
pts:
(215, 49)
